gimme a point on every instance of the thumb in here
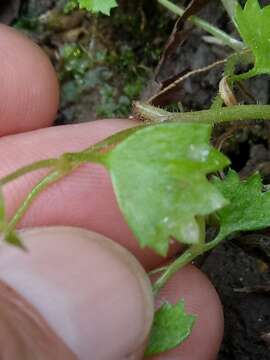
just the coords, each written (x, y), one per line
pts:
(88, 296)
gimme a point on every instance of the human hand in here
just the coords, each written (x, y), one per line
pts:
(76, 294)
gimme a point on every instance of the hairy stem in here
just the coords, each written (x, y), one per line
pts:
(51, 178)
(206, 26)
(187, 257)
(191, 253)
(244, 76)
(212, 244)
(212, 116)
(84, 156)
(62, 166)
(230, 6)
(42, 164)
(158, 270)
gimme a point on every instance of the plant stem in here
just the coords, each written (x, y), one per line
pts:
(189, 255)
(158, 270)
(206, 26)
(226, 114)
(62, 167)
(211, 116)
(230, 6)
(184, 259)
(201, 224)
(212, 244)
(28, 168)
(244, 76)
(85, 156)
(43, 184)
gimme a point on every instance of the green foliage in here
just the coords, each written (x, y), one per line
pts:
(25, 24)
(111, 104)
(159, 177)
(116, 99)
(94, 6)
(249, 207)
(170, 328)
(75, 62)
(13, 239)
(254, 26)
(82, 72)
(10, 236)
(159, 173)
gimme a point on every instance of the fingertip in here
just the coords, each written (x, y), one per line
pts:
(202, 300)
(29, 89)
(93, 293)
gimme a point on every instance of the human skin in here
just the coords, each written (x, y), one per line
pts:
(106, 311)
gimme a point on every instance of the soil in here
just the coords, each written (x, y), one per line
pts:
(239, 269)
(240, 280)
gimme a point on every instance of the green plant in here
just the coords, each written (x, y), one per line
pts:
(168, 162)
(95, 6)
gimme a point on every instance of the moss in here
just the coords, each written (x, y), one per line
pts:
(103, 63)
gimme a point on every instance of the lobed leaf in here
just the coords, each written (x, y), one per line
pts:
(253, 23)
(170, 328)
(159, 177)
(95, 6)
(249, 207)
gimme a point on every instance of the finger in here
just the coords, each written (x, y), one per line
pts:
(201, 300)
(29, 87)
(91, 292)
(85, 198)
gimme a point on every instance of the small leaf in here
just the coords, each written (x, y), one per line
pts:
(10, 237)
(249, 207)
(159, 177)
(95, 6)
(170, 328)
(70, 6)
(13, 239)
(254, 26)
